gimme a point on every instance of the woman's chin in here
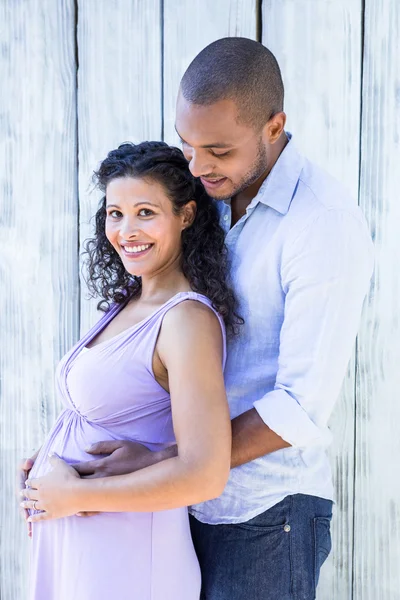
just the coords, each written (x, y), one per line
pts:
(134, 272)
(136, 267)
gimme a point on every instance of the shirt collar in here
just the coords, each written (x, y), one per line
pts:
(278, 188)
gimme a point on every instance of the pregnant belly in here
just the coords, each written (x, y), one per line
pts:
(68, 438)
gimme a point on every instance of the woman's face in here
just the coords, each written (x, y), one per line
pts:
(142, 227)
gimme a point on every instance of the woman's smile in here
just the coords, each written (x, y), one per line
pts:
(132, 251)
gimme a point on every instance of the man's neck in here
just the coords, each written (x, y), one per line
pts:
(240, 202)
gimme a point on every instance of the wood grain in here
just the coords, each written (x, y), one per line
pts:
(119, 92)
(189, 26)
(377, 484)
(318, 47)
(39, 285)
(132, 55)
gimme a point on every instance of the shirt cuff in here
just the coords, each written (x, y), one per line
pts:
(286, 417)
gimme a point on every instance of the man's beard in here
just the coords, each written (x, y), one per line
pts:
(257, 169)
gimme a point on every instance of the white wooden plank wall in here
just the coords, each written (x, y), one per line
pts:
(119, 92)
(189, 25)
(377, 483)
(39, 289)
(318, 46)
(131, 56)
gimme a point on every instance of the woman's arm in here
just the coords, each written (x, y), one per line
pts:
(190, 346)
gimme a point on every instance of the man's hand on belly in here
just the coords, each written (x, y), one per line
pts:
(123, 457)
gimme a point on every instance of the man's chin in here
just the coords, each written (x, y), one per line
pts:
(223, 195)
(227, 192)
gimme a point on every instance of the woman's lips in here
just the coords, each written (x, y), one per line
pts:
(138, 254)
(213, 184)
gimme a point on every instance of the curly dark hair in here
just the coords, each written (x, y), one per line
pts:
(204, 254)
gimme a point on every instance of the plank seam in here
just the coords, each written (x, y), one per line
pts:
(78, 207)
(362, 45)
(162, 67)
(259, 20)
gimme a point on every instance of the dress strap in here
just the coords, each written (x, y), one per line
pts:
(177, 299)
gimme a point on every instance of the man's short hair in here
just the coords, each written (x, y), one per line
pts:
(238, 69)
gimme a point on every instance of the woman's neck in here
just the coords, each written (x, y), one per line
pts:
(163, 286)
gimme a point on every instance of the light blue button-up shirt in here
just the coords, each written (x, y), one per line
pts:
(302, 260)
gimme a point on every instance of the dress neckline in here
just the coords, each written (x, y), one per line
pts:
(113, 313)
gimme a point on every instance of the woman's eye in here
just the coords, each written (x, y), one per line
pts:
(145, 212)
(115, 214)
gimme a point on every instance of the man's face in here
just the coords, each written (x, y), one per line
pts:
(227, 156)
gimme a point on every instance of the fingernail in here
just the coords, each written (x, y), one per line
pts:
(29, 520)
(51, 454)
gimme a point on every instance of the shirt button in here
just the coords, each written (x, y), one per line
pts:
(286, 528)
(226, 217)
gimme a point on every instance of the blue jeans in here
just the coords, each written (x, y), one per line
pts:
(275, 556)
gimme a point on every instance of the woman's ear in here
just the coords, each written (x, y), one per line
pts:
(188, 214)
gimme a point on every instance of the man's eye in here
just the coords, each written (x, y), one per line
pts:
(145, 212)
(220, 155)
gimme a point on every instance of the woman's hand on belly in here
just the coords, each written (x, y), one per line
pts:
(52, 494)
(23, 474)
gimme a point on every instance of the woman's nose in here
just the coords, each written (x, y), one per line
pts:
(129, 228)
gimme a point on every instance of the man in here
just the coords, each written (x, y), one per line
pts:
(301, 264)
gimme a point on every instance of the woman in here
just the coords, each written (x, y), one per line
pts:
(151, 370)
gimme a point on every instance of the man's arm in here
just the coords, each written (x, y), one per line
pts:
(251, 438)
(325, 275)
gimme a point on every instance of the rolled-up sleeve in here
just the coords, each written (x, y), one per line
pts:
(325, 275)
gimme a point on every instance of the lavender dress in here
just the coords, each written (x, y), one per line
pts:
(109, 393)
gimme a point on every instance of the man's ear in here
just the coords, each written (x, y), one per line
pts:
(188, 214)
(273, 128)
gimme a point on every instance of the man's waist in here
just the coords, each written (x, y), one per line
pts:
(254, 487)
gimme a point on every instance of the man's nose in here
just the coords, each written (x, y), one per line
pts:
(199, 165)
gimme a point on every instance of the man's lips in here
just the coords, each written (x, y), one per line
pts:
(213, 184)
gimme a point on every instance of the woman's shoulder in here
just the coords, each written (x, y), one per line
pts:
(192, 311)
(190, 329)
(191, 319)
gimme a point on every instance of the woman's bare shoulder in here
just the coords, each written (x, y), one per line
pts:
(191, 325)
(191, 315)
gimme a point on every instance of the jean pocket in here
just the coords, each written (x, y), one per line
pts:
(322, 543)
(265, 528)
(273, 520)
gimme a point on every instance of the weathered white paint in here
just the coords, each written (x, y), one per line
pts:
(39, 289)
(318, 46)
(189, 26)
(377, 484)
(119, 92)
(122, 88)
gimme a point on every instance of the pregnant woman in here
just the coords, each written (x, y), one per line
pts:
(151, 370)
